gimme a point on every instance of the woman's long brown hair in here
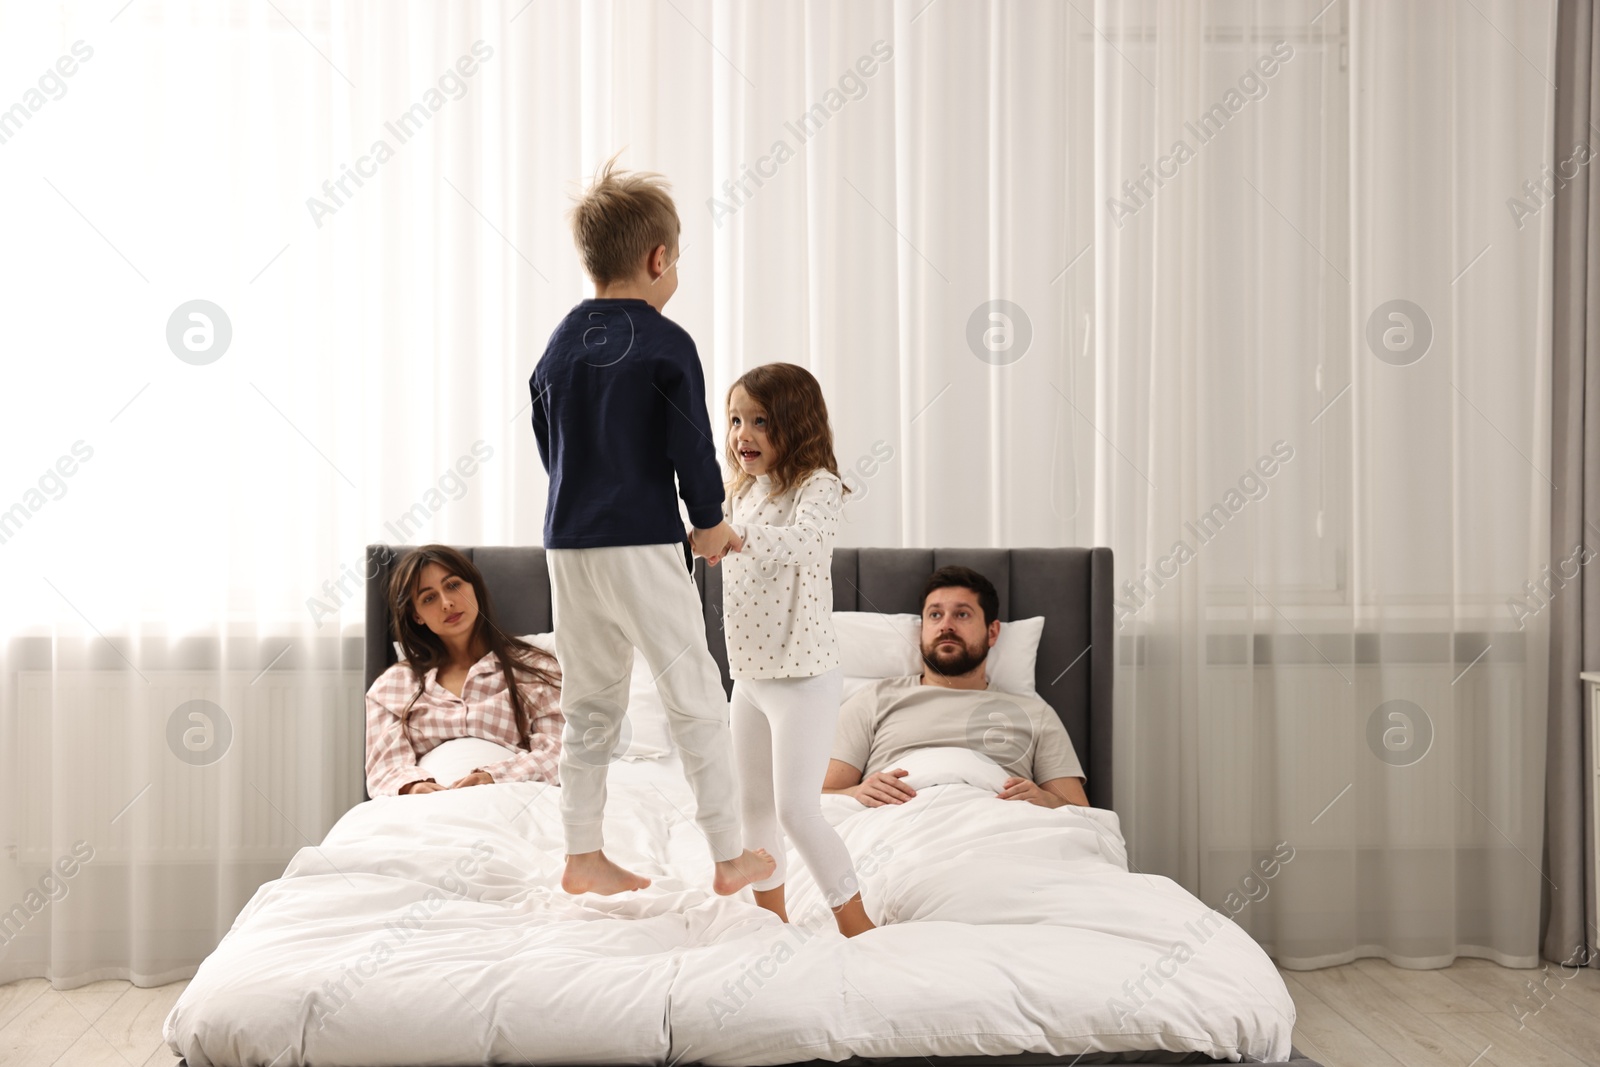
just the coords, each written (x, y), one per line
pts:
(424, 650)
(797, 426)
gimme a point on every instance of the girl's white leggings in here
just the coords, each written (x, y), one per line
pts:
(782, 735)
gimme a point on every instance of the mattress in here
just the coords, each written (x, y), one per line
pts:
(432, 930)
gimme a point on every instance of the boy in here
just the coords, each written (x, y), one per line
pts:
(618, 409)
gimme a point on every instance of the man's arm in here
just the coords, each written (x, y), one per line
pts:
(841, 778)
(1055, 793)
(1068, 789)
(1055, 761)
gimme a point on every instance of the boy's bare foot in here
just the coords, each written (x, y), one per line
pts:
(591, 872)
(750, 866)
(852, 917)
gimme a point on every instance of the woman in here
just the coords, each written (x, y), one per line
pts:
(456, 680)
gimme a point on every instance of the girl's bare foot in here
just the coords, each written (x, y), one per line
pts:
(750, 866)
(591, 872)
(772, 900)
(852, 917)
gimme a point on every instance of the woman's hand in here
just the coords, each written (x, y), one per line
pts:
(425, 786)
(475, 778)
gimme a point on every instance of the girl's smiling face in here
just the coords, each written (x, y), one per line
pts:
(747, 433)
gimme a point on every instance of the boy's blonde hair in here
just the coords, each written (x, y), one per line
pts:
(621, 218)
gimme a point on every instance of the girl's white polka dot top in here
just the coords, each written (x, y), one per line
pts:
(777, 592)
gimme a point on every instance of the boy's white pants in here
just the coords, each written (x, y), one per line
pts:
(606, 602)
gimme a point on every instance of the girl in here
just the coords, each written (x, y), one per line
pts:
(456, 680)
(783, 502)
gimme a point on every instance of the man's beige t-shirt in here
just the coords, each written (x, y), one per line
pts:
(889, 718)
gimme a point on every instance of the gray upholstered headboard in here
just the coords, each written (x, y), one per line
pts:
(1070, 587)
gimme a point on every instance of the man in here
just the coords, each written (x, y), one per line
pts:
(952, 704)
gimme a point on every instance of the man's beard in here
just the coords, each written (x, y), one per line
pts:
(954, 664)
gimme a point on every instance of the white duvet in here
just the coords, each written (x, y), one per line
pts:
(432, 930)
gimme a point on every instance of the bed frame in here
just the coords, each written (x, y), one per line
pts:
(1070, 587)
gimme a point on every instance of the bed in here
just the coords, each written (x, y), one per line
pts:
(432, 929)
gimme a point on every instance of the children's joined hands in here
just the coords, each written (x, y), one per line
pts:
(715, 543)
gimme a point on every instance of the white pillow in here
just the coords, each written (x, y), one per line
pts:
(1015, 656)
(874, 646)
(452, 760)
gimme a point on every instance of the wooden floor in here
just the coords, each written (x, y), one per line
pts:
(1365, 1014)
(1369, 1014)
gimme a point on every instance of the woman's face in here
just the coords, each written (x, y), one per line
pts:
(444, 602)
(747, 432)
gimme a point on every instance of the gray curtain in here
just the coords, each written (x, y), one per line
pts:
(1571, 933)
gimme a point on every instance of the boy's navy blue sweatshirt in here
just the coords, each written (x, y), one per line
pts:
(619, 407)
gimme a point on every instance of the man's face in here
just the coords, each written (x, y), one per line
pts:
(955, 640)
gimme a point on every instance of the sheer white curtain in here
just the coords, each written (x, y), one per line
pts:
(1319, 513)
(858, 183)
(384, 307)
